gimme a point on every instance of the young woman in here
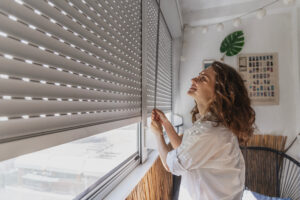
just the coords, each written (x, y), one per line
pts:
(208, 156)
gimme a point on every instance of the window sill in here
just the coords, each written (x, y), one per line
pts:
(124, 188)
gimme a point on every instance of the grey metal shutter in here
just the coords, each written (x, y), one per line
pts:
(164, 78)
(66, 65)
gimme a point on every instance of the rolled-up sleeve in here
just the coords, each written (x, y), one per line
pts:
(193, 152)
(174, 164)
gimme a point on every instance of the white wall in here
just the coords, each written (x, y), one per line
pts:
(177, 48)
(271, 34)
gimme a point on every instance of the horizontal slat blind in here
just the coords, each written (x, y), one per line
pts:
(164, 88)
(68, 64)
(165, 65)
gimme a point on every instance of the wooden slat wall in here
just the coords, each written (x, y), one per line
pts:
(155, 185)
(272, 141)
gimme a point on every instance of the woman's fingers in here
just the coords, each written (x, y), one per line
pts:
(160, 115)
(159, 112)
(157, 124)
(155, 111)
(155, 115)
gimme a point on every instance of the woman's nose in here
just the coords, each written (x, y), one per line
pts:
(194, 80)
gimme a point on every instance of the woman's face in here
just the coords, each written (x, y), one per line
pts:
(203, 87)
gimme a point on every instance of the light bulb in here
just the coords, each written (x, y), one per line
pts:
(220, 27)
(237, 22)
(204, 29)
(261, 13)
(288, 2)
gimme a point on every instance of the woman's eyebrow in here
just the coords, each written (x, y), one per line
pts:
(204, 74)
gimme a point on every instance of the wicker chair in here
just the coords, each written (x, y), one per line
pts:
(271, 172)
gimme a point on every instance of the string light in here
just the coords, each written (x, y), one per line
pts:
(204, 29)
(220, 27)
(260, 13)
(288, 2)
(237, 22)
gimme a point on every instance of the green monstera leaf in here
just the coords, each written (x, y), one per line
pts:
(233, 43)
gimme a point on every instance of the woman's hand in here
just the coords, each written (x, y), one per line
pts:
(156, 126)
(159, 116)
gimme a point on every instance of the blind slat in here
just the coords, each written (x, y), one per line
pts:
(57, 75)
(17, 108)
(12, 87)
(27, 52)
(22, 128)
(71, 20)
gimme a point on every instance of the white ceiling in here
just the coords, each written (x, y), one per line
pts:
(190, 5)
(206, 12)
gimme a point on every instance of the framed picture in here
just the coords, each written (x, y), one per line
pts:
(207, 63)
(260, 75)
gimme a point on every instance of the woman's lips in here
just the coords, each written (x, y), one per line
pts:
(193, 88)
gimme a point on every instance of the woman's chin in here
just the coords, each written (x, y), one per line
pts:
(191, 92)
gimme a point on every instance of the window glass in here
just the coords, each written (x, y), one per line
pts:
(64, 171)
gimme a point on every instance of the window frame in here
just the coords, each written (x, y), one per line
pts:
(105, 184)
(102, 190)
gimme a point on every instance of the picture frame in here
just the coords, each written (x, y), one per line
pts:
(207, 63)
(259, 72)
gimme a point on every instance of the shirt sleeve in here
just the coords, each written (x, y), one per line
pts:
(193, 152)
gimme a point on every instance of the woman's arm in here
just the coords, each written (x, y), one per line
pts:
(174, 138)
(163, 150)
(162, 147)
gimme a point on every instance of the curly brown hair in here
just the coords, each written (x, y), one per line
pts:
(231, 105)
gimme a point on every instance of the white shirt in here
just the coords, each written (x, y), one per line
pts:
(210, 163)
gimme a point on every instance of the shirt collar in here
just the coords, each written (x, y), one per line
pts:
(208, 117)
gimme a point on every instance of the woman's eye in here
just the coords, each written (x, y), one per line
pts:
(202, 78)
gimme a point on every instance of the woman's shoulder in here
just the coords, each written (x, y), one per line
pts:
(208, 130)
(205, 139)
(205, 127)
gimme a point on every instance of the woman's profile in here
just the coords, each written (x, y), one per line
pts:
(208, 157)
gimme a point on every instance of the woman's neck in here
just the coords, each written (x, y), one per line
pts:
(202, 109)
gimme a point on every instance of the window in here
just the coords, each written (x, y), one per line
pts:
(64, 171)
(70, 70)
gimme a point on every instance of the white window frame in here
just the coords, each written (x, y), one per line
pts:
(105, 184)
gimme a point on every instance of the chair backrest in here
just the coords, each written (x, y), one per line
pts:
(272, 173)
(262, 166)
